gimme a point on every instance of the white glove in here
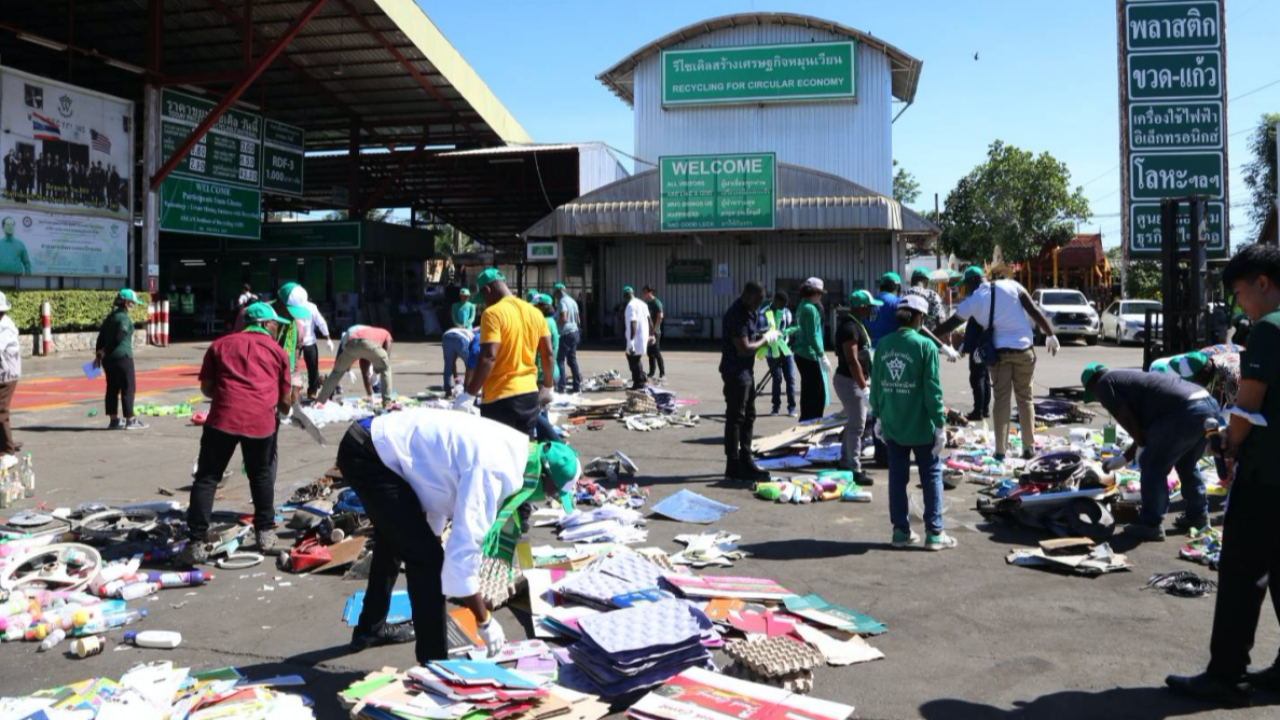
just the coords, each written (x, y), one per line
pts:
(1115, 462)
(493, 636)
(950, 353)
(329, 343)
(939, 441)
(875, 430)
(1052, 345)
(464, 401)
(284, 415)
(826, 365)
(772, 336)
(296, 381)
(544, 396)
(865, 392)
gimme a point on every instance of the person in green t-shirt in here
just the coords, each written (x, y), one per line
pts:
(906, 398)
(811, 356)
(656, 314)
(114, 354)
(1249, 564)
(14, 259)
(463, 312)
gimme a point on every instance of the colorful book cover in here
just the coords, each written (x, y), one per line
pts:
(814, 608)
(698, 694)
(712, 586)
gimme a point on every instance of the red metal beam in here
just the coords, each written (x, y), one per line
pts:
(371, 202)
(400, 58)
(214, 115)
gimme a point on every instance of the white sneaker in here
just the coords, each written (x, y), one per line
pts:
(941, 541)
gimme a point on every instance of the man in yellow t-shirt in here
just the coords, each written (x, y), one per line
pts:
(511, 332)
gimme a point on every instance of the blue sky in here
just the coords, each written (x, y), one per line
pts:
(1046, 78)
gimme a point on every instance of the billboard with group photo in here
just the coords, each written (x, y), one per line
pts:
(66, 179)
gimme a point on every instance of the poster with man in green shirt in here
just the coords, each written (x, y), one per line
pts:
(13, 252)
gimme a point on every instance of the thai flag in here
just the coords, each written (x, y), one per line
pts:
(100, 142)
(45, 129)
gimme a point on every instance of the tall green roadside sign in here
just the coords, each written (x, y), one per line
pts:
(217, 187)
(1173, 119)
(718, 192)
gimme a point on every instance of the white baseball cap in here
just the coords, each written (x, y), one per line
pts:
(914, 302)
(814, 282)
(4, 303)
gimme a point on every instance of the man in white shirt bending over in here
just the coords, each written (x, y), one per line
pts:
(1014, 372)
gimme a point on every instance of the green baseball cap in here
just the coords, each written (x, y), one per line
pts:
(891, 276)
(544, 299)
(464, 292)
(627, 289)
(862, 298)
(285, 290)
(564, 467)
(973, 271)
(261, 312)
(489, 275)
(919, 273)
(127, 295)
(1091, 371)
(1189, 365)
(532, 295)
(558, 286)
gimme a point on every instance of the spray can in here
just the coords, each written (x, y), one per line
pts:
(52, 640)
(88, 646)
(168, 580)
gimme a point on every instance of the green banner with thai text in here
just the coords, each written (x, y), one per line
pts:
(760, 73)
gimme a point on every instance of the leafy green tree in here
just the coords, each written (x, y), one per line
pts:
(906, 189)
(1143, 278)
(1019, 201)
(1260, 172)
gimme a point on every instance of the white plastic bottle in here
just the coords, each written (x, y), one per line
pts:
(159, 639)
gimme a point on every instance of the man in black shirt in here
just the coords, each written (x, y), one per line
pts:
(1166, 417)
(742, 340)
(853, 377)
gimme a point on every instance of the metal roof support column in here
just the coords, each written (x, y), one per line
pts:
(354, 210)
(393, 178)
(214, 115)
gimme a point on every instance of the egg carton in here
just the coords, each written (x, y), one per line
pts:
(499, 582)
(800, 682)
(775, 657)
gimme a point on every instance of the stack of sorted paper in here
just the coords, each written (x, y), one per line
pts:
(697, 693)
(741, 588)
(624, 651)
(610, 523)
(620, 580)
(461, 689)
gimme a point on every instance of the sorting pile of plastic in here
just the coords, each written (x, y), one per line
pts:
(160, 690)
(804, 489)
(17, 479)
(1204, 547)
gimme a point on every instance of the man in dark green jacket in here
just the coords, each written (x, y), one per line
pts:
(114, 354)
(906, 397)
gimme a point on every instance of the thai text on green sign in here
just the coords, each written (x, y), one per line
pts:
(1145, 229)
(1158, 76)
(230, 152)
(1159, 175)
(688, 272)
(209, 208)
(282, 153)
(1175, 126)
(717, 192)
(1172, 25)
(760, 73)
(345, 235)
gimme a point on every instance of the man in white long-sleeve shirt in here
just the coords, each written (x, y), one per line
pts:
(310, 324)
(413, 471)
(636, 328)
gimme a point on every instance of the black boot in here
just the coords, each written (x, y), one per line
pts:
(1212, 689)
(750, 469)
(733, 471)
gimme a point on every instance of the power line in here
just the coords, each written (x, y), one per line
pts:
(1255, 90)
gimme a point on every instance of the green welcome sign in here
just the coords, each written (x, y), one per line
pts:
(760, 73)
(717, 192)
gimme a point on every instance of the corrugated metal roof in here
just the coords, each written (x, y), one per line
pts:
(808, 200)
(905, 69)
(521, 149)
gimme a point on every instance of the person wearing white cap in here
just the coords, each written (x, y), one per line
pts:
(10, 371)
(811, 356)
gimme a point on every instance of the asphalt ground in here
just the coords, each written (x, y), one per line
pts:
(970, 638)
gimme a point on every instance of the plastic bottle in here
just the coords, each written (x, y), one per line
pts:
(136, 590)
(52, 640)
(159, 639)
(109, 622)
(167, 580)
(16, 603)
(28, 476)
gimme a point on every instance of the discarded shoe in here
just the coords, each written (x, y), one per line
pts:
(1152, 533)
(905, 539)
(1210, 688)
(941, 541)
(387, 635)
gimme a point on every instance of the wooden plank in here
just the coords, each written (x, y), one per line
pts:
(797, 434)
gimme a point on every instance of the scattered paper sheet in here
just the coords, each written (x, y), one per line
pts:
(688, 506)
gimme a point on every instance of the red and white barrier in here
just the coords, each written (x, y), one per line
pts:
(151, 323)
(164, 323)
(46, 328)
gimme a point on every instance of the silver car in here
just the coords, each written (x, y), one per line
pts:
(1125, 320)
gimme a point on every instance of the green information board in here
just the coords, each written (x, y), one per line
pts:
(1175, 126)
(209, 208)
(1175, 75)
(689, 272)
(282, 153)
(760, 73)
(231, 152)
(1159, 175)
(1172, 25)
(717, 192)
(305, 236)
(1144, 222)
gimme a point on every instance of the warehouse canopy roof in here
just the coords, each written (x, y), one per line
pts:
(905, 69)
(379, 65)
(808, 200)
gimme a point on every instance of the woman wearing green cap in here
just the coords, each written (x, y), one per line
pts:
(114, 354)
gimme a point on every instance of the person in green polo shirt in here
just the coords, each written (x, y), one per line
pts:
(906, 397)
(114, 354)
(13, 252)
(811, 356)
(463, 312)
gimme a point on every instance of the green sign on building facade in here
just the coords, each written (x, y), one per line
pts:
(1174, 117)
(717, 192)
(760, 73)
(241, 155)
